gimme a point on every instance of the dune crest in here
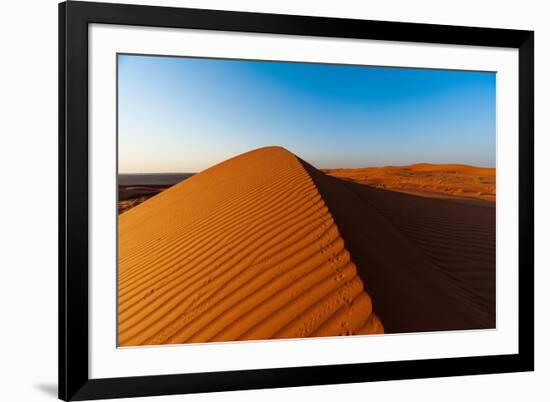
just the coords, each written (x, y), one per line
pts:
(246, 249)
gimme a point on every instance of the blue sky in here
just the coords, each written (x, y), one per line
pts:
(185, 114)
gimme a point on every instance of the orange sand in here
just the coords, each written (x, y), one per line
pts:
(244, 250)
(427, 179)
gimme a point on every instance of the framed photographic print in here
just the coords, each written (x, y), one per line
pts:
(257, 200)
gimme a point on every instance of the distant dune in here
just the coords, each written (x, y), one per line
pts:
(425, 179)
(247, 249)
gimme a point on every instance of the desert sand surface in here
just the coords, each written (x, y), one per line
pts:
(247, 249)
(424, 179)
(429, 263)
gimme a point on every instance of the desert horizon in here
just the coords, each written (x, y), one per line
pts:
(422, 179)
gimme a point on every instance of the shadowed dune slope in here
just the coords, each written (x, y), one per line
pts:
(244, 250)
(428, 263)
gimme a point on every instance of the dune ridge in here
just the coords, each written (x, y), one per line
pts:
(247, 249)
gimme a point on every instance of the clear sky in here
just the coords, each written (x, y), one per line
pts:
(185, 114)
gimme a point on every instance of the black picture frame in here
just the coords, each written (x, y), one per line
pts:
(74, 381)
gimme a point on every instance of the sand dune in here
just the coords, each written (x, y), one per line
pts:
(247, 249)
(265, 246)
(425, 179)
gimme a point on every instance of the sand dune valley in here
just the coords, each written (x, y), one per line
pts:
(266, 246)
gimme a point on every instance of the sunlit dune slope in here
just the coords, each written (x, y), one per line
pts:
(244, 250)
